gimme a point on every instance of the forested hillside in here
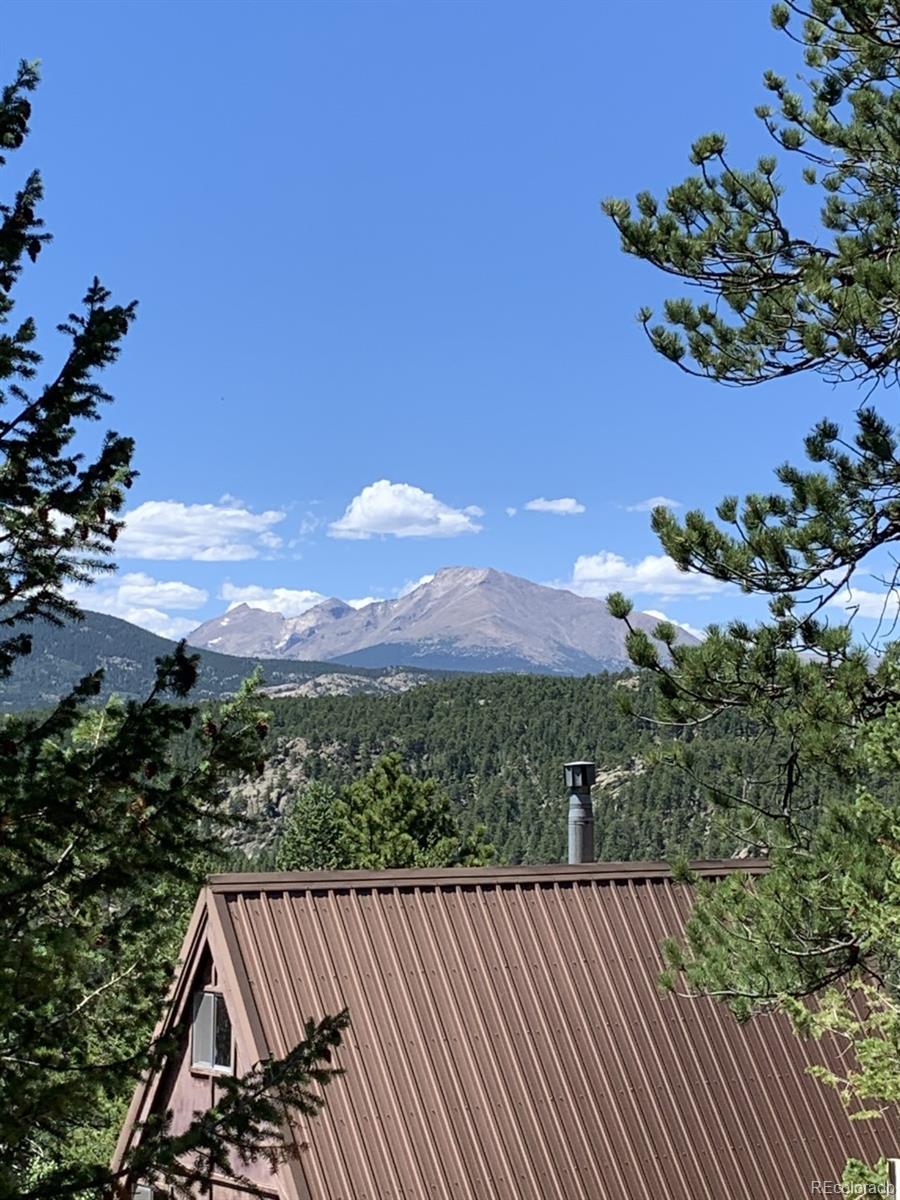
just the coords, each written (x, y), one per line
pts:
(61, 655)
(496, 743)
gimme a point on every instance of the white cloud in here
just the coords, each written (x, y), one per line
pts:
(876, 605)
(656, 575)
(402, 510)
(309, 523)
(143, 600)
(412, 584)
(290, 602)
(511, 512)
(699, 634)
(293, 602)
(137, 589)
(170, 530)
(566, 506)
(159, 622)
(653, 502)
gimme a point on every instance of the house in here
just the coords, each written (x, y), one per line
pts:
(509, 1040)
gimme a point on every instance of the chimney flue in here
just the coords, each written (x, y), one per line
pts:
(580, 777)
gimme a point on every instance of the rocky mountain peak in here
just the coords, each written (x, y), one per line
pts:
(466, 618)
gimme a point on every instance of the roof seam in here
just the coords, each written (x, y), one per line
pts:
(547, 874)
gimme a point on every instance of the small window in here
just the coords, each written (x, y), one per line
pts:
(211, 1033)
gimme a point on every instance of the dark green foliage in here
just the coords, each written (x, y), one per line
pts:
(59, 518)
(824, 702)
(107, 815)
(778, 300)
(387, 819)
(798, 931)
(310, 840)
(496, 745)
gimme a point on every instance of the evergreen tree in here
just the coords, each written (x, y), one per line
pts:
(775, 301)
(503, 771)
(105, 814)
(311, 838)
(386, 819)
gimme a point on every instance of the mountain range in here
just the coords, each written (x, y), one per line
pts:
(61, 655)
(464, 618)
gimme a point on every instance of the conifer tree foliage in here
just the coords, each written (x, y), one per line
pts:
(105, 813)
(496, 745)
(311, 838)
(386, 819)
(775, 301)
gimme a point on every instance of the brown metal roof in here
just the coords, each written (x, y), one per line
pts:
(509, 1040)
(428, 877)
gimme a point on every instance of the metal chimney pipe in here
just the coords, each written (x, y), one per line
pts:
(580, 778)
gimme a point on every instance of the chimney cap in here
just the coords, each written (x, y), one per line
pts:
(580, 775)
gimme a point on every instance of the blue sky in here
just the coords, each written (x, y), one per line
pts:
(379, 305)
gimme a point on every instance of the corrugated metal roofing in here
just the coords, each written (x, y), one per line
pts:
(509, 1040)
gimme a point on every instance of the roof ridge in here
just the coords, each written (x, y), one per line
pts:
(547, 874)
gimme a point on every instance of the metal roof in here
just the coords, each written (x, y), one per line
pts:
(469, 876)
(509, 1039)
